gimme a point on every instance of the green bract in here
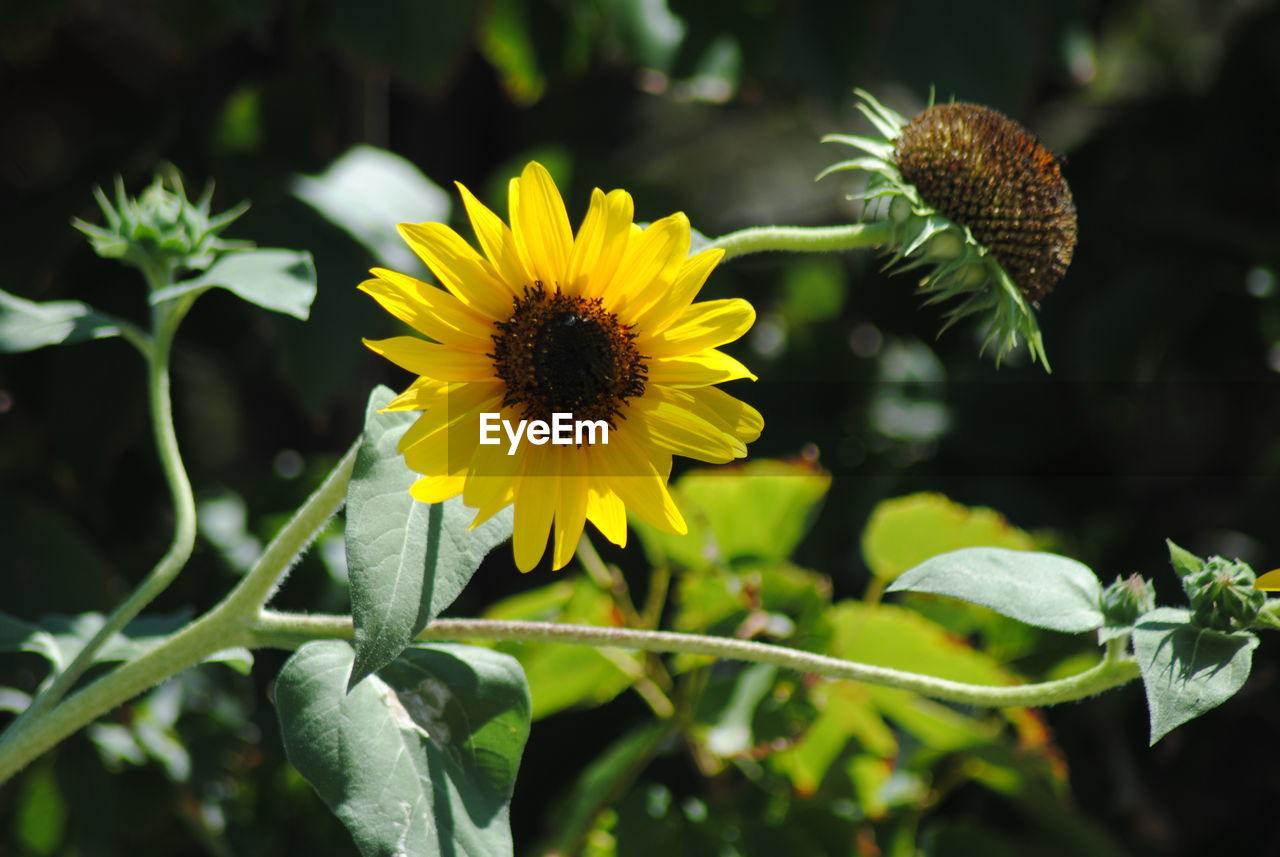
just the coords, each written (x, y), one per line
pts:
(959, 265)
(161, 227)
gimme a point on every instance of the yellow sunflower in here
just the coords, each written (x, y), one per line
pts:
(598, 327)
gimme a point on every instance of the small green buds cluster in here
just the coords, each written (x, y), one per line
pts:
(1127, 599)
(160, 229)
(1222, 594)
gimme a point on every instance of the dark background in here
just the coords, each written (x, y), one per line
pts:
(1159, 419)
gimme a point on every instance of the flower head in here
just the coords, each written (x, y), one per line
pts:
(161, 226)
(978, 198)
(599, 325)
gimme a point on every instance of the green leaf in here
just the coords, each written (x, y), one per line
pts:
(26, 325)
(422, 758)
(1187, 670)
(68, 634)
(1041, 589)
(407, 560)
(19, 636)
(732, 734)
(602, 783)
(758, 510)
(563, 676)
(40, 819)
(366, 192)
(905, 531)
(278, 280)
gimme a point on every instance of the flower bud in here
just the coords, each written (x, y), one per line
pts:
(1127, 599)
(1222, 595)
(160, 228)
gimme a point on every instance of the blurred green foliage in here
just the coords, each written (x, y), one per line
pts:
(1158, 421)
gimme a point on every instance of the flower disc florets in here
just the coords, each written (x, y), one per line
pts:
(567, 353)
(980, 201)
(986, 172)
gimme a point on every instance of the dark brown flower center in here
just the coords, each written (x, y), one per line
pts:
(985, 171)
(565, 354)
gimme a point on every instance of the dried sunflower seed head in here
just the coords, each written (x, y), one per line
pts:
(985, 171)
(978, 201)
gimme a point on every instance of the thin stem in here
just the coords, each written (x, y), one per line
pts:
(803, 239)
(289, 631)
(166, 318)
(608, 578)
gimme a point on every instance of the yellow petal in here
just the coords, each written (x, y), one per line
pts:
(436, 489)
(1269, 582)
(537, 496)
(650, 264)
(432, 360)
(606, 510)
(430, 310)
(460, 402)
(666, 419)
(600, 244)
(703, 325)
(727, 413)
(439, 445)
(700, 369)
(639, 483)
(541, 225)
(571, 514)
(492, 474)
(689, 281)
(461, 270)
(498, 243)
(418, 396)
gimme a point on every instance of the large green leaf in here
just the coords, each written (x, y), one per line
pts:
(407, 560)
(366, 192)
(758, 510)
(26, 325)
(563, 676)
(1187, 670)
(421, 759)
(1041, 589)
(905, 531)
(279, 280)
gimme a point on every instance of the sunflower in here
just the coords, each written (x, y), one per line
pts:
(600, 326)
(978, 201)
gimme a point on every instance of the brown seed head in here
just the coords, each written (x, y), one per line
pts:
(985, 171)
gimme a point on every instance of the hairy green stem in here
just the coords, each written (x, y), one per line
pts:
(231, 623)
(282, 630)
(165, 320)
(803, 239)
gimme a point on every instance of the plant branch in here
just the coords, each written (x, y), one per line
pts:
(289, 631)
(803, 239)
(166, 318)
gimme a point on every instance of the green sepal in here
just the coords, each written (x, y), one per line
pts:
(1184, 561)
